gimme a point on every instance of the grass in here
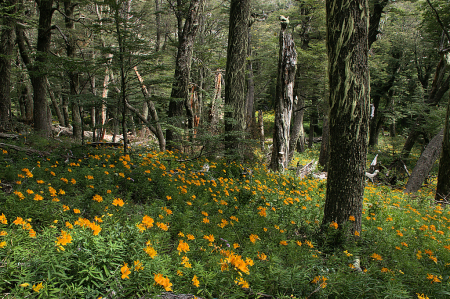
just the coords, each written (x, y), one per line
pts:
(112, 226)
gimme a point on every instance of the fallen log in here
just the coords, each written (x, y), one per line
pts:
(28, 151)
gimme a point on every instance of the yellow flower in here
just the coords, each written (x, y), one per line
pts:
(334, 225)
(195, 281)
(182, 247)
(76, 211)
(125, 271)
(262, 256)
(3, 233)
(253, 238)
(38, 197)
(37, 287)
(64, 239)
(422, 296)
(376, 256)
(284, 243)
(118, 202)
(351, 218)
(240, 281)
(190, 237)
(147, 221)
(165, 282)
(24, 285)
(3, 219)
(150, 251)
(210, 238)
(138, 266)
(97, 198)
(3, 244)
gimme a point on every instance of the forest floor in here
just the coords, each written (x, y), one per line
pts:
(92, 222)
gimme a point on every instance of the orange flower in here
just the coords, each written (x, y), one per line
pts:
(165, 282)
(97, 198)
(125, 271)
(376, 256)
(195, 281)
(118, 202)
(182, 247)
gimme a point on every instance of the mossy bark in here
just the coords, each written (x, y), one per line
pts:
(284, 103)
(443, 185)
(347, 45)
(235, 82)
(7, 35)
(41, 115)
(180, 87)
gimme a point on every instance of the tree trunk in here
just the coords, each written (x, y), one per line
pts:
(425, 163)
(443, 185)
(324, 146)
(298, 113)
(250, 86)
(158, 26)
(38, 74)
(26, 95)
(154, 125)
(180, 88)
(55, 105)
(284, 100)
(313, 121)
(347, 45)
(235, 89)
(74, 77)
(7, 33)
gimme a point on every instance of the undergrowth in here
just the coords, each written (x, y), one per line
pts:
(94, 223)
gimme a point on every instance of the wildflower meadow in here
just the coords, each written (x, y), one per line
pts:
(101, 224)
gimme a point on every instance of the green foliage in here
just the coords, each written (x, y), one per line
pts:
(130, 226)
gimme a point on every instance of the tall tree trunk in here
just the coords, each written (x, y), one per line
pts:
(158, 26)
(250, 86)
(26, 95)
(284, 99)
(153, 124)
(313, 121)
(7, 33)
(425, 163)
(180, 88)
(235, 89)
(298, 113)
(74, 77)
(443, 185)
(55, 105)
(347, 45)
(325, 144)
(38, 74)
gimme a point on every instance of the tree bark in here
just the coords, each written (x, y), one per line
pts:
(347, 45)
(180, 88)
(74, 76)
(443, 185)
(425, 163)
(38, 74)
(324, 146)
(7, 35)
(153, 125)
(235, 89)
(55, 105)
(297, 130)
(284, 100)
(250, 86)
